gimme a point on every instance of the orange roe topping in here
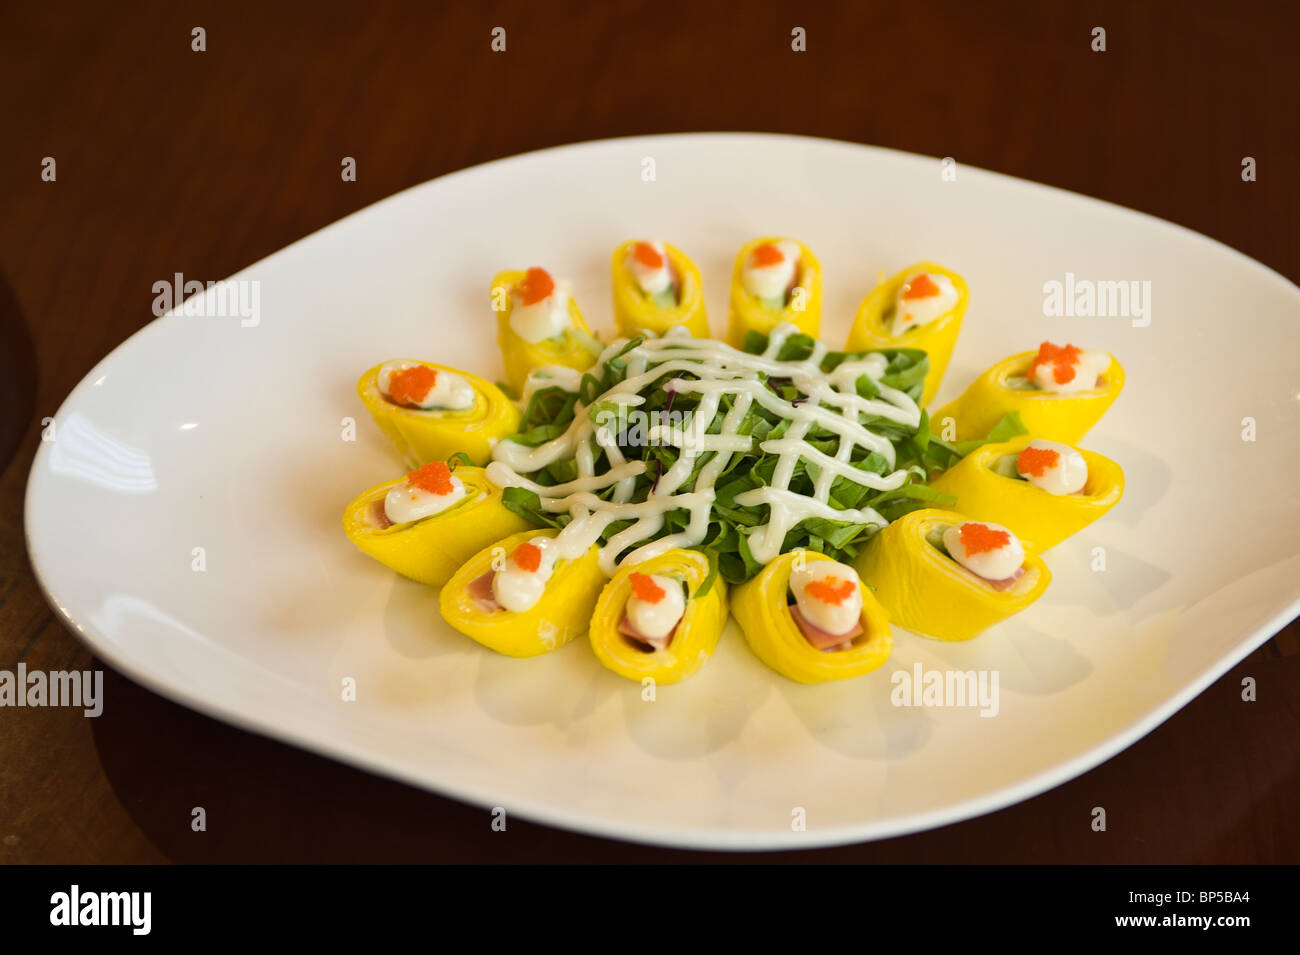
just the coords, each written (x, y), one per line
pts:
(1063, 357)
(434, 477)
(645, 589)
(1037, 461)
(648, 255)
(922, 286)
(768, 254)
(411, 385)
(980, 538)
(527, 557)
(830, 590)
(535, 286)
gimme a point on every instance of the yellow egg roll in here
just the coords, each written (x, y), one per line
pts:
(577, 348)
(431, 549)
(562, 613)
(1056, 417)
(635, 313)
(693, 641)
(928, 592)
(749, 314)
(421, 436)
(1040, 519)
(761, 606)
(937, 338)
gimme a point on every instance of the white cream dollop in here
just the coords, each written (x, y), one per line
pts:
(651, 279)
(828, 615)
(1090, 365)
(542, 319)
(405, 502)
(657, 620)
(450, 391)
(771, 281)
(997, 564)
(1067, 475)
(517, 589)
(917, 311)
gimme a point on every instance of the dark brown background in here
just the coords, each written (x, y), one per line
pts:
(201, 163)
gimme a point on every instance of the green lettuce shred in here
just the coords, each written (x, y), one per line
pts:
(920, 453)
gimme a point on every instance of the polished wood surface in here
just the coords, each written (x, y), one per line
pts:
(170, 160)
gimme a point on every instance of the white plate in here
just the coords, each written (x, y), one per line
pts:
(199, 432)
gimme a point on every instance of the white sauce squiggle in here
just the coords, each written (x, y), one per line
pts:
(721, 370)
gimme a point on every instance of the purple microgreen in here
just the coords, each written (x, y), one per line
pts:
(672, 394)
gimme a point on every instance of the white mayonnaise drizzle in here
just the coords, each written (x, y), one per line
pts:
(551, 376)
(720, 370)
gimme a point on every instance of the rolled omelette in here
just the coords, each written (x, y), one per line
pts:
(635, 311)
(928, 592)
(692, 642)
(1065, 417)
(1038, 517)
(761, 606)
(803, 308)
(562, 612)
(431, 549)
(872, 327)
(575, 348)
(435, 434)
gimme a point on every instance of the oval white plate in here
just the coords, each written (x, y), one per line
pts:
(207, 432)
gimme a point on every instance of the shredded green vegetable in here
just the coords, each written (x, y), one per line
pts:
(551, 410)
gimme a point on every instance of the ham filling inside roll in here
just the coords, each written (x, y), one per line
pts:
(819, 638)
(827, 606)
(654, 611)
(480, 589)
(520, 583)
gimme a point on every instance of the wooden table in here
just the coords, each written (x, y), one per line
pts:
(170, 160)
